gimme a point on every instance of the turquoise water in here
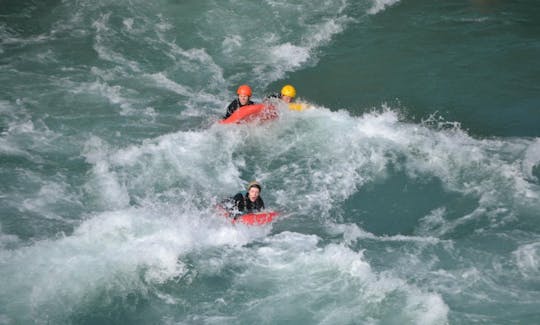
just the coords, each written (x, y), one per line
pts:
(409, 189)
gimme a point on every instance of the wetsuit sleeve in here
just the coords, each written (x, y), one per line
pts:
(239, 201)
(274, 95)
(233, 106)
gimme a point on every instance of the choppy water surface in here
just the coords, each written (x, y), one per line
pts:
(409, 189)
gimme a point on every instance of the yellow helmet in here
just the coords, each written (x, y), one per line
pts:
(288, 90)
(254, 184)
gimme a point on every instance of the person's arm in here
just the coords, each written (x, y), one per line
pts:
(233, 106)
(239, 202)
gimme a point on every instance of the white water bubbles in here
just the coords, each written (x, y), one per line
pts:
(527, 258)
(381, 5)
(531, 161)
(334, 284)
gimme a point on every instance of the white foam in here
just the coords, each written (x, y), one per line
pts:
(128, 23)
(19, 126)
(50, 199)
(312, 160)
(161, 80)
(205, 75)
(426, 308)
(474, 20)
(232, 43)
(24, 134)
(488, 169)
(285, 57)
(116, 95)
(532, 159)
(528, 260)
(105, 183)
(105, 52)
(332, 273)
(42, 38)
(352, 233)
(434, 223)
(289, 56)
(107, 254)
(380, 5)
(323, 32)
(273, 49)
(6, 107)
(330, 156)
(172, 167)
(8, 148)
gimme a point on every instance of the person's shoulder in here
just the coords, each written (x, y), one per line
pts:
(273, 95)
(238, 196)
(234, 102)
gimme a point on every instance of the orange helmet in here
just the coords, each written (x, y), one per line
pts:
(244, 90)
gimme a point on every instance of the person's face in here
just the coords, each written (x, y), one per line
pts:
(253, 193)
(286, 99)
(243, 99)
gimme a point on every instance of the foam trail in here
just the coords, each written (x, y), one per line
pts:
(532, 161)
(110, 254)
(328, 273)
(380, 5)
(156, 197)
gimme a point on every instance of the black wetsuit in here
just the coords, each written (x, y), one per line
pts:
(234, 105)
(244, 204)
(273, 95)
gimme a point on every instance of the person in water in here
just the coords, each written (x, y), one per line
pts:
(287, 94)
(244, 94)
(248, 202)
